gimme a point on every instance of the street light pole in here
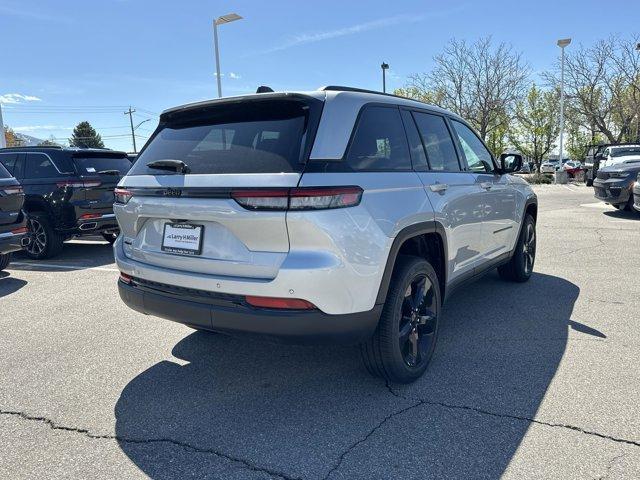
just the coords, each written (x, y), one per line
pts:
(561, 175)
(231, 17)
(384, 67)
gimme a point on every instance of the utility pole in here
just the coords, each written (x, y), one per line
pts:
(3, 142)
(133, 133)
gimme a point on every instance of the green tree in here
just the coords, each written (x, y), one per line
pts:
(535, 124)
(85, 136)
(11, 139)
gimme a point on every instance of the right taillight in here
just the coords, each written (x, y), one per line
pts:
(122, 195)
(303, 198)
(12, 190)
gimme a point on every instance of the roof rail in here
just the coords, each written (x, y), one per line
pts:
(338, 88)
(53, 147)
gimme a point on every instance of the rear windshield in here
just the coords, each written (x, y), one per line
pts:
(246, 137)
(96, 165)
(4, 173)
(620, 152)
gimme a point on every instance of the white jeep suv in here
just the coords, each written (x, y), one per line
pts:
(339, 215)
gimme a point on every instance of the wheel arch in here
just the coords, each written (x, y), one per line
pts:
(426, 240)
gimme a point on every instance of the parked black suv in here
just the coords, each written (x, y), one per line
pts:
(68, 193)
(13, 221)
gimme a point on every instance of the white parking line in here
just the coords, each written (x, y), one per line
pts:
(62, 267)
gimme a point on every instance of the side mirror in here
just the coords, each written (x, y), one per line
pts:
(510, 162)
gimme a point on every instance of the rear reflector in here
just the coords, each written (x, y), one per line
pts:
(303, 198)
(85, 216)
(20, 230)
(281, 303)
(125, 278)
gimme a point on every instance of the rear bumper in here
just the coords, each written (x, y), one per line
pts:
(12, 242)
(91, 226)
(230, 314)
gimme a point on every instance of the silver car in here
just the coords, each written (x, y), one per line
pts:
(338, 215)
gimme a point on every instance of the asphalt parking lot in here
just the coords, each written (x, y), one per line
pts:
(536, 380)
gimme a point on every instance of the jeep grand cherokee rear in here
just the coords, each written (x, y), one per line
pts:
(68, 193)
(13, 222)
(338, 215)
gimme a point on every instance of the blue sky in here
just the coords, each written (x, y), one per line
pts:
(67, 61)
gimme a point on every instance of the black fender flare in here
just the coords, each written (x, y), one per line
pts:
(405, 234)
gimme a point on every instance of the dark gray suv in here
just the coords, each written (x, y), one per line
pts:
(614, 184)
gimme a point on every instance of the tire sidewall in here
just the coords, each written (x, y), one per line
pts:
(412, 267)
(521, 271)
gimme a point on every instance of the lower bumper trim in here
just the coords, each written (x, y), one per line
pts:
(297, 326)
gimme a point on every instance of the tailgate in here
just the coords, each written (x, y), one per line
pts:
(234, 241)
(11, 200)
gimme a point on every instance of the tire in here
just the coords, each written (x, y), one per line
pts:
(520, 266)
(4, 261)
(401, 348)
(629, 205)
(589, 182)
(45, 241)
(110, 237)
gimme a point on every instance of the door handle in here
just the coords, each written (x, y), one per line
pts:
(438, 187)
(486, 185)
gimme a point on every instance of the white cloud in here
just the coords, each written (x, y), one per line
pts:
(13, 98)
(38, 128)
(341, 32)
(235, 76)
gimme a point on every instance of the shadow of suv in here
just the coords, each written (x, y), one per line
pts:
(68, 193)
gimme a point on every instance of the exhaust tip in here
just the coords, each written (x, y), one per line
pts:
(88, 226)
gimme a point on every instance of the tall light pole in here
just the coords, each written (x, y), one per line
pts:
(384, 67)
(231, 17)
(561, 175)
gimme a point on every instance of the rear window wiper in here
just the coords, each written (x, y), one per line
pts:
(109, 172)
(177, 166)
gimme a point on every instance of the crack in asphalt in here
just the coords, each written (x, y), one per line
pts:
(610, 466)
(354, 445)
(148, 441)
(517, 417)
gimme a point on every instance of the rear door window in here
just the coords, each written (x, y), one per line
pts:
(441, 153)
(379, 142)
(39, 165)
(247, 137)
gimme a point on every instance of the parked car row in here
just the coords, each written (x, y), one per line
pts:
(63, 193)
(616, 184)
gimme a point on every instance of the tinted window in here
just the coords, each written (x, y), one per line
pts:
(4, 173)
(248, 137)
(93, 165)
(379, 142)
(8, 160)
(437, 141)
(418, 157)
(478, 157)
(620, 152)
(39, 166)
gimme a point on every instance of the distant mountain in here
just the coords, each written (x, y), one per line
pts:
(28, 140)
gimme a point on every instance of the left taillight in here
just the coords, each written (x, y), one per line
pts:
(12, 190)
(122, 195)
(303, 198)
